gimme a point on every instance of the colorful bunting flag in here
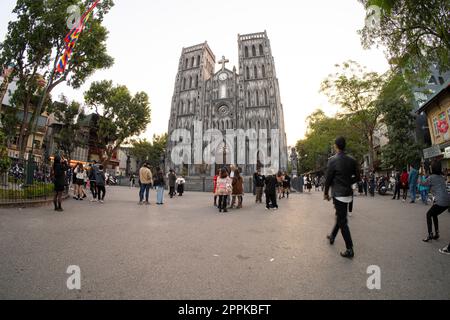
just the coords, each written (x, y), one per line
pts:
(72, 38)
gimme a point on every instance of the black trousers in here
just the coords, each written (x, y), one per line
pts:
(223, 201)
(101, 191)
(397, 192)
(93, 188)
(172, 191)
(405, 193)
(271, 200)
(432, 217)
(342, 223)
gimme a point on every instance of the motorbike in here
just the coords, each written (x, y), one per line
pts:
(382, 187)
(112, 181)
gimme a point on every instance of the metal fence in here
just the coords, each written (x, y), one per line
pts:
(26, 182)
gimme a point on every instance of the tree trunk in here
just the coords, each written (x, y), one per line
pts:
(371, 152)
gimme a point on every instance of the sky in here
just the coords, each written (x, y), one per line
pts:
(307, 37)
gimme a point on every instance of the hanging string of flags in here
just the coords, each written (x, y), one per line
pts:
(72, 38)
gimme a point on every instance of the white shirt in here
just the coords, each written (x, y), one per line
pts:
(345, 199)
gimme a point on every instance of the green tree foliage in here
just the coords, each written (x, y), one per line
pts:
(34, 43)
(396, 104)
(121, 115)
(151, 152)
(317, 146)
(414, 33)
(5, 162)
(70, 136)
(355, 91)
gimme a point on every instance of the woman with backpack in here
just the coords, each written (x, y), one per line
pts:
(223, 189)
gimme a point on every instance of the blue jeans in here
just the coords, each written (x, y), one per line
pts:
(145, 188)
(424, 195)
(413, 192)
(159, 194)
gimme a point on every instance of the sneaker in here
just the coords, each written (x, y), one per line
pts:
(268, 209)
(275, 208)
(444, 251)
(102, 201)
(94, 200)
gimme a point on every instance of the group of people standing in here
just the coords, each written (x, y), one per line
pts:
(229, 188)
(92, 177)
(159, 182)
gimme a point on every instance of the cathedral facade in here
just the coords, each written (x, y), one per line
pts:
(244, 100)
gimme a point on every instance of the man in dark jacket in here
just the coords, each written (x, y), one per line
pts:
(271, 191)
(342, 173)
(172, 182)
(259, 185)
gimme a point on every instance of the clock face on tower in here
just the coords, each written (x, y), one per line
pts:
(223, 76)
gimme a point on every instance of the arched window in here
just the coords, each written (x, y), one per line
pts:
(253, 51)
(184, 83)
(261, 51)
(192, 62)
(257, 97)
(188, 107)
(248, 72)
(246, 51)
(258, 126)
(194, 104)
(190, 82)
(186, 65)
(255, 72)
(266, 100)
(180, 107)
(198, 61)
(263, 71)
(268, 125)
(196, 81)
(249, 100)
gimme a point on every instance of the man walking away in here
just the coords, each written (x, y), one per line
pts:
(271, 191)
(172, 182)
(93, 182)
(259, 184)
(146, 179)
(160, 184)
(101, 183)
(342, 173)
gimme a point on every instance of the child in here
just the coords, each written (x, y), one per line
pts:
(223, 189)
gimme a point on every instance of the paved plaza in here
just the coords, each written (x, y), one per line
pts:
(186, 250)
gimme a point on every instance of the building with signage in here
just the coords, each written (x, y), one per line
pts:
(437, 111)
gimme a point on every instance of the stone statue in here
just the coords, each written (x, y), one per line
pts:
(294, 162)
